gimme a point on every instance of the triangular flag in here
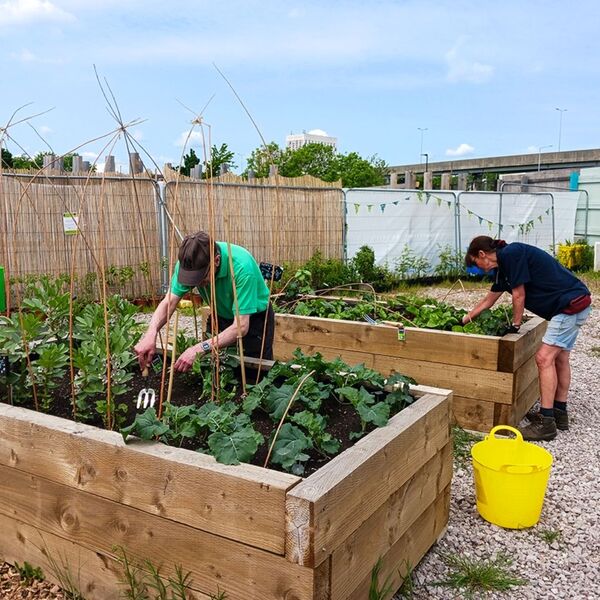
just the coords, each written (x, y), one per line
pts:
(490, 225)
(356, 207)
(395, 202)
(500, 227)
(382, 207)
(439, 201)
(449, 203)
(369, 207)
(540, 219)
(480, 220)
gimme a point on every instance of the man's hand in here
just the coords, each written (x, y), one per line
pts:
(186, 359)
(145, 350)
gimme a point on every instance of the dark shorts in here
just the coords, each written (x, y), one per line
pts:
(253, 340)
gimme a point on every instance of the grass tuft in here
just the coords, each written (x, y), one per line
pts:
(472, 576)
(463, 441)
(550, 535)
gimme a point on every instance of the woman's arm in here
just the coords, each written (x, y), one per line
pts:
(487, 302)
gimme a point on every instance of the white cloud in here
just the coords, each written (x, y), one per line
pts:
(188, 139)
(26, 56)
(44, 129)
(22, 12)
(462, 68)
(460, 150)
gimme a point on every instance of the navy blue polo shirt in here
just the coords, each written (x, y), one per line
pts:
(549, 287)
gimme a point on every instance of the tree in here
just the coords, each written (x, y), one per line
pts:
(262, 158)
(218, 157)
(190, 160)
(7, 159)
(318, 160)
(360, 172)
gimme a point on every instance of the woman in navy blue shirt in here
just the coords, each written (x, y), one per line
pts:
(539, 283)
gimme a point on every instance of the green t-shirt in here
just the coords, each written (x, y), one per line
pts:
(252, 291)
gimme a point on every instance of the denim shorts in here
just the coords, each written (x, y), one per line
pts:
(563, 329)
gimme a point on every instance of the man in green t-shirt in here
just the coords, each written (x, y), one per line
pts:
(204, 264)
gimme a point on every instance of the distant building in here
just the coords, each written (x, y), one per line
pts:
(314, 136)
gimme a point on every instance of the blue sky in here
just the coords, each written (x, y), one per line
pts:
(483, 78)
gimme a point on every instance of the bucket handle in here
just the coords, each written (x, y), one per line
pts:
(519, 469)
(519, 436)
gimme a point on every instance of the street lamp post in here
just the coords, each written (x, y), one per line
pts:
(426, 161)
(422, 130)
(561, 111)
(540, 148)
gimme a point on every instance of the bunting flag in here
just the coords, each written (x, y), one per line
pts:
(425, 197)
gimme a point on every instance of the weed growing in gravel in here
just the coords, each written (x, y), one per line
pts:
(550, 535)
(463, 440)
(61, 571)
(28, 573)
(407, 588)
(139, 579)
(474, 576)
(376, 591)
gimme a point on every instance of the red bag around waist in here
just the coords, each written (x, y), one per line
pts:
(577, 304)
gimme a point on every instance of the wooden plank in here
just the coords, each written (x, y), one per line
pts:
(524, 376)
(99, 524)
(352, 560)
(96, 575)
(406, 553)
(332, 503)
(470, 413)
(243, 502)
(466, 382)
(516, 348)
(446, 347)
(512, 415)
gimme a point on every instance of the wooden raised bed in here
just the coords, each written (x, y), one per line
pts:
(75, 491)
(494, 379)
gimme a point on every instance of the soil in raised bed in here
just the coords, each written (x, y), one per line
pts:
(341, 418)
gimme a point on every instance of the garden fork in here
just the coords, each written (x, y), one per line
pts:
(147, 396)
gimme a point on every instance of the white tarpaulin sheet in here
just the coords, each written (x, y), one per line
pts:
(388, 220)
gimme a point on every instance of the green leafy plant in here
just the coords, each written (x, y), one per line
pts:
(410, 266)
(28, 573)
(451, 263)
(462, 443)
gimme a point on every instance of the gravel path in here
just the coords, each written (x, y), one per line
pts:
(568, 567)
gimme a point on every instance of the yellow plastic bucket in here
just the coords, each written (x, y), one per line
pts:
(511, 476)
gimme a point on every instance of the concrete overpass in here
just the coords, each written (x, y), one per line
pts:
(517, 163)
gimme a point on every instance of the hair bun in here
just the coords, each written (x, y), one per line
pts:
(498, 243)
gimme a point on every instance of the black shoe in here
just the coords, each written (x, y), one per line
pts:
(540, 429)
(560, 416)
(562, 419)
